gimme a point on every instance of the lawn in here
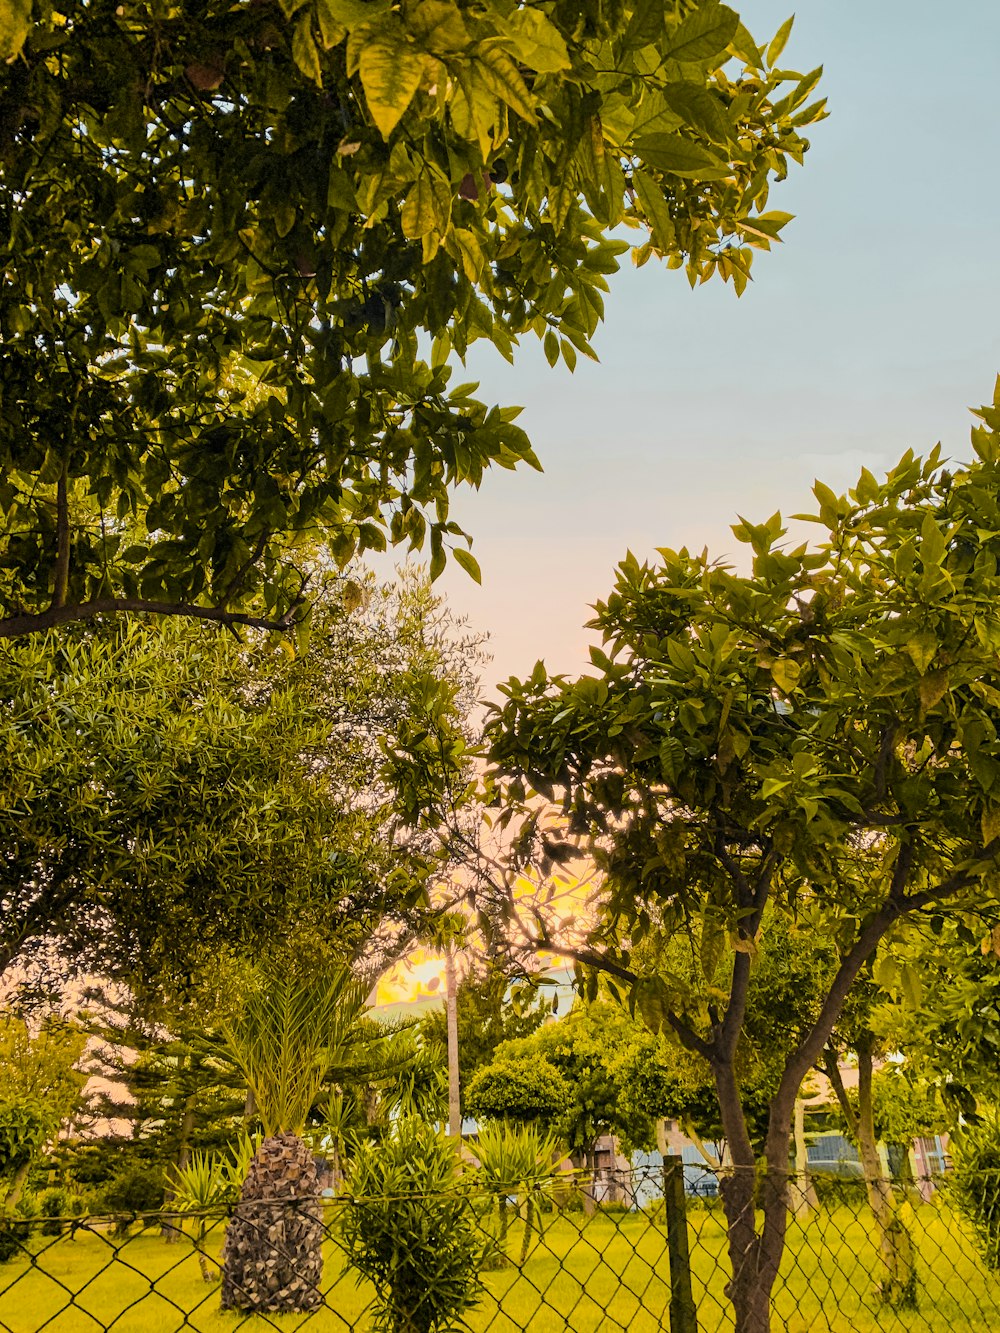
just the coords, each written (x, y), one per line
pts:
(606, 1273)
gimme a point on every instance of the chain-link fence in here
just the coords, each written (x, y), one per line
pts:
(636, 1251)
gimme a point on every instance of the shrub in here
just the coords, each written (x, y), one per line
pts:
(833, 1189)
(411, 1230)
(54, 1206)
(975, 1185)
(13, 1237)
(134, 1189)
(518, 1092)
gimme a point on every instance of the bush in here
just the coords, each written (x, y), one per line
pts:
(975, 1185)
(411, 1230)
(13, 1237)
(134, 1189)
(55, 1206)
(518, 1092)
(833, 1189)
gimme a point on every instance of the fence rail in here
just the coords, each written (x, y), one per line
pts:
(543, 1262)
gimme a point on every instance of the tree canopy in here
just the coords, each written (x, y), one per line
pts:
(816, 738)
(233, 232)
(170, 794)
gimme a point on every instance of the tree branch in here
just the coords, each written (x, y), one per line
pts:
(60, 590)
(19, 626)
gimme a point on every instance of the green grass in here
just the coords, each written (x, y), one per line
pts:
(609, 1272)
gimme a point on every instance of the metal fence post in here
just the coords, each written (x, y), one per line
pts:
(683, 1315)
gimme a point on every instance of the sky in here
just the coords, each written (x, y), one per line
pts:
(871, 330)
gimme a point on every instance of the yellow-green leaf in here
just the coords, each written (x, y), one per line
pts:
(464, 246)
(778, 41)
(348, 13)
(922, 649)
(785, 673)
(540, 44)
(503, 78)
(305, 52)
(390, 71)
(469, 563)
(933, 688)
(420, 213)
(990, 823)
(656, 209)
(15, 24)
(438, 26)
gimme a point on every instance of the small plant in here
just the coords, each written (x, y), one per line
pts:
(975, 1185)
(519, 1162)
(208, 1183)
(133, 1191)
(411, 1230)
(55, 1207)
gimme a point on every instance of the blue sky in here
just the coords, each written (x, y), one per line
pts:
(872, 329)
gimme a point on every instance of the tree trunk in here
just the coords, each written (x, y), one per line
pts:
(803, 1192)
(451, 1013)
(899, 1286)
(755, 1246)
(272, 1259)
(16, 1188)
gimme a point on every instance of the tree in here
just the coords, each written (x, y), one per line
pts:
(41, 1092)
(231, 231)
(485, 1020)
(152, 813)
(172, 795)
(815, 737)
(519, 1091)
(286, 1034)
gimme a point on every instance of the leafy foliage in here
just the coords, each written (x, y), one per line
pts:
(24, 1129)
(485, 1020)
(113, 741)
(974, 1187)
(286, 1033)
(816, 739)
(411, 1231)
(232, 230)
(518, 1091)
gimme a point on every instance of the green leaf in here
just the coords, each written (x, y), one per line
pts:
(744, 46)
(438, 26)
(503, 78)
(785, 673)
(540, 44)
(922, 649)
(15, 24)
(706, 32)
(391, 72)
(656, 209)
(645, 27)
(421, 213)
(348, 13)
(778, 41)
(469, 563)
(305, 52)
(698, 108)
(680, 157)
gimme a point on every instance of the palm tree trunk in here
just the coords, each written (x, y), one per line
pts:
(272, 1259)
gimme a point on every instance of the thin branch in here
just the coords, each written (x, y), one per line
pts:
(19, 626)
(61, 584)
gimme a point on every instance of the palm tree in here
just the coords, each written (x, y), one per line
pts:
(287, 1037)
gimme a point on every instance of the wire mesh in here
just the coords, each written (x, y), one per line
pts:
(589, 1253)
